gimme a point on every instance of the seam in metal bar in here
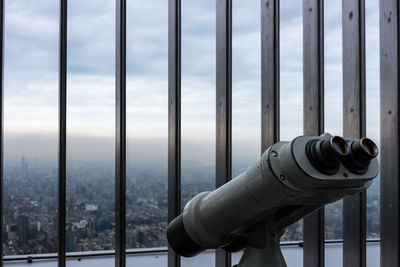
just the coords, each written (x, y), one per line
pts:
(389, 109)
(313, 73)
(269, 73)
(174, 118)
(354, 125)
(120, 135)
(1, 124)
(223, 106)
(62, 148)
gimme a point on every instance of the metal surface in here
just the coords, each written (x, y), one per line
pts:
(223, 105)
(62, 149)
(1, 124)
(279, 189)
(94, 254)
(390, 66)
(269, 73)
(354, 207)
(313, 73)
(174, 118)
(120, 135)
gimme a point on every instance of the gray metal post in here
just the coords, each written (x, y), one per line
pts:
(390, 66)
(62, 150)
(269, 73)
(120, 135)
(223, 106)
(1, 124)
(313, 73)
(174, 118)
(354, 207)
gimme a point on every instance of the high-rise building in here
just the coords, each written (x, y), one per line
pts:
(70, 240)
(23, 230)
(24, 166)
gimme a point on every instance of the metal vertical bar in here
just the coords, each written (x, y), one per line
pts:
(120, 134)
(174, 118)
(354, 207)
(223, 105)
(390, 88)
(1, 124)
(269, 73)
(313, 71)
(62, 146)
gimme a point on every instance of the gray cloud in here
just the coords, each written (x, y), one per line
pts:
(31, 65)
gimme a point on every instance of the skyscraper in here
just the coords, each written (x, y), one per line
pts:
(23, 230)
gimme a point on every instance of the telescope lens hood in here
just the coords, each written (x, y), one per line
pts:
(180, 240)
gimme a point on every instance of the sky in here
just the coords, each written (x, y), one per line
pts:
(31, 77)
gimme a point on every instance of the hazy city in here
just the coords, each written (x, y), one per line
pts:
(30, 206)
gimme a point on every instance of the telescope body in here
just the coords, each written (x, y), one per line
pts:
(284, 185)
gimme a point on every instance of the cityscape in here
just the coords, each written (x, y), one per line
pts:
(30, 206)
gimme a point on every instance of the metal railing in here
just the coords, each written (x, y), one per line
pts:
(353, 16)
(132, 252)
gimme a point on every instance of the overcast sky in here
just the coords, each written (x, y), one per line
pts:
(31, 77)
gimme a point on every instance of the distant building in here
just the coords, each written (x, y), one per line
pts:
(80, 225)
(91, 207)
(23, 230)
(70, 240)
(24, 166)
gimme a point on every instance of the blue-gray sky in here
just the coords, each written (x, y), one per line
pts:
(31, 77)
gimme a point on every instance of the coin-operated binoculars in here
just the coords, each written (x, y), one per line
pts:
(289, 181)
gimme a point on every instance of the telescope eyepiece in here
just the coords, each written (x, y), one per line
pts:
(365, 150)
(334, 148)
(361, 153)
(325, 155)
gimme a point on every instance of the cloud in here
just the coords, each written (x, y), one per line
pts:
(31, 69)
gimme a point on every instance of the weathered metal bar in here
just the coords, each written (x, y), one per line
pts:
(313, 73)
(269, 73)
(62, 135)
(1, 124)
(223, 105)
(174, 118)
(389, 102)
(120, 135)
(354, 207)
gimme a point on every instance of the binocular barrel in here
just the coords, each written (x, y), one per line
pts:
(290, 180)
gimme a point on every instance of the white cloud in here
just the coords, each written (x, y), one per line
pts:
(31, 69)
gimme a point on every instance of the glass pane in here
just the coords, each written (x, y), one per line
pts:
(291, 84)
(198, 99)
(30, 127)
(90, 126)
(246, 84)
(333, 101)
(147, 123)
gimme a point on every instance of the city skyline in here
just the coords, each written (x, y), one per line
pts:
(30, 213)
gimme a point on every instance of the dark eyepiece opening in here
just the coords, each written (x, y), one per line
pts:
(325, 155)
(339, 145)
(369, 147)
(362, 152)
